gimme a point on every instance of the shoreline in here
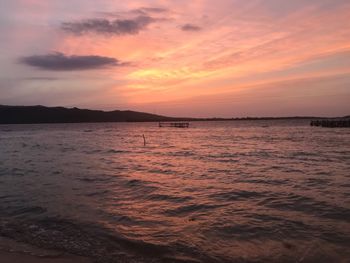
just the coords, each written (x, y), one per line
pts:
(12, 251)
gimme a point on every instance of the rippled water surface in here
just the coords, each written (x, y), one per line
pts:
(243, 191)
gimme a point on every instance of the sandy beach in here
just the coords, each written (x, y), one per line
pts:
(16, 252)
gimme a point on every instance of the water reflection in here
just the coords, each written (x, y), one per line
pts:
(217, 192)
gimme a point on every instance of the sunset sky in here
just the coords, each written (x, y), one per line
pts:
(201, 58)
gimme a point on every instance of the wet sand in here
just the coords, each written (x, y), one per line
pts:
(8, 257)
(16, 252)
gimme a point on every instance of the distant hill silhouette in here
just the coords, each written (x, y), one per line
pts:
(42, 114)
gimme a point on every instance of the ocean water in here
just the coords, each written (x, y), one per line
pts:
(240, 191)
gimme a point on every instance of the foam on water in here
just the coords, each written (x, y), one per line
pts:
(255, 191)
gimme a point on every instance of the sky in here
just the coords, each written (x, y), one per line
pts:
(198, 58)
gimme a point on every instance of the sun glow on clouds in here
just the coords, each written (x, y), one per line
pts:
(175, 53)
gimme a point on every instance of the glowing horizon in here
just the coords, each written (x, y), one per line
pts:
(232, 59)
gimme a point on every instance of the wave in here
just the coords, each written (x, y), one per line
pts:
(238, 195)
(307, 205)
(189, 209)
(94, 241)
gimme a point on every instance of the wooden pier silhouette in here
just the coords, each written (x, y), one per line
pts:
(174, 124)
(332, 123)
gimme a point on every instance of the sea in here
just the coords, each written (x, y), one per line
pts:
(220, 191)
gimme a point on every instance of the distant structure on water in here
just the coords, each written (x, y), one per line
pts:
(174, 124)
(332, 123)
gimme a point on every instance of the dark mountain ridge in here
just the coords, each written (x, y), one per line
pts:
(42, 114)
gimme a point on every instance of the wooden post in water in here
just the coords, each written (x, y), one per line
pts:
(144, 140)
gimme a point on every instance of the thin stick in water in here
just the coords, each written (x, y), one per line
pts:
(144, 140)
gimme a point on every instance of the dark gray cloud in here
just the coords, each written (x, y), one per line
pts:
(59, 62)
(111, 27)
(190, 27)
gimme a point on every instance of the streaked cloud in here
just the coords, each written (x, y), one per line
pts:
(150, 10)
(41, 79)
(61, 62)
